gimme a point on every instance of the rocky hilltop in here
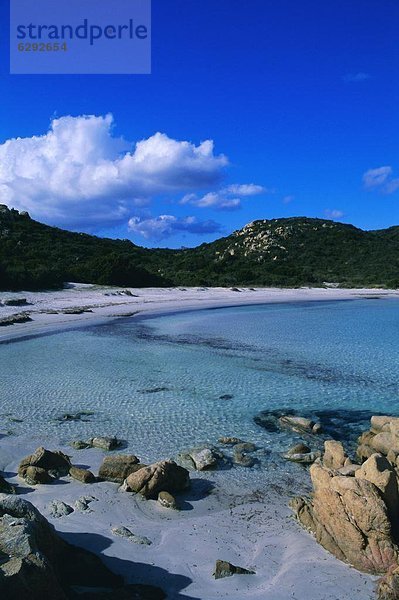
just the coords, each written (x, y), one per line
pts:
(278, 252)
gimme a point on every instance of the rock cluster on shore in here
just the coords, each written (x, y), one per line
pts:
(354, 509)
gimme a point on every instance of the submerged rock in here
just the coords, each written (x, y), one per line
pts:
(226, 569)
(229, 441)
(306, 458)
(299, 424)
(79, 416)
(226, 397)
(162, 476)
(83, 503)
(242, 459)
(203, 459)
(117, 467)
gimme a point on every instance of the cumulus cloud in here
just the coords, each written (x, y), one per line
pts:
(356, 77)
(381, 179)
(79, 174)
(165, 226)
(227, 198)
(334, 213)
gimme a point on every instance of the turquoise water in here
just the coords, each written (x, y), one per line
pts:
(158, 382)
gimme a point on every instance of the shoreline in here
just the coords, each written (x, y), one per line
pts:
(105, 304)
(250, 527)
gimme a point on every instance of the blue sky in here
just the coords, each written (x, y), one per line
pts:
(300, 99)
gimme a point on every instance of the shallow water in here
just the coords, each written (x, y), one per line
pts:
(158, 382)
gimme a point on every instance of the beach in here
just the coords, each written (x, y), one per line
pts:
(253, 529)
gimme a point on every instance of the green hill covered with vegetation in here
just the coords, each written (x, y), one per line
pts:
(278, 252)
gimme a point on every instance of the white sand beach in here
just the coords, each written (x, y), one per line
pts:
(254, 531)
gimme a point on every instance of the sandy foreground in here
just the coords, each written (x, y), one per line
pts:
(255, 531)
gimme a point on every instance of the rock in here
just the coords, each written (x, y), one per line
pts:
(167, 500)
(348, 517)
(246, 447)
(105, 443)
(384, 442)
(243, 460)
(14, 319)
(380, 423)
(299, 424)
(132, 537)
(58, 509)
(36, 563)
(203, 459)
(348, 470)
(364, 449)
(83, 503)
(226, 569)
(388, 586)
(379, 471)
(298, 449)
(5, 487)
(82, 475)
(161, 476)
(334, 455)
(306, 458)
(81, 444)
(117, 467)
(226, 397)
(37, 475)
(79, 416)
(49, 461)
(15, 302)
(229, 441)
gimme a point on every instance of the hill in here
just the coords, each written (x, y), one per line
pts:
(278, 252)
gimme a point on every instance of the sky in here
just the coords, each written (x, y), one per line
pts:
(255, 109)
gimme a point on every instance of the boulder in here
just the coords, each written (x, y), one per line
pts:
(334, 455)
(37, 475)
(226, 569)
(57, 462)
(161, 476)
(167, 500)
(117, 467)
(348, 470)
(203, 459)
(36, 563)
(388, 586)
(379, 471)
(5, 487)
(105, 443)
(349, 517)
(364, 449)
(82, 475)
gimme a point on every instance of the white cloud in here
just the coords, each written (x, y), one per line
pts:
(165, 226)
(79, 174)
(334, 213)
(381, 178)
(357, 77)
(288, 199)
(227, 198)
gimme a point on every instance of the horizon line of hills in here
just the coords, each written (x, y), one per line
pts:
(286, 252)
